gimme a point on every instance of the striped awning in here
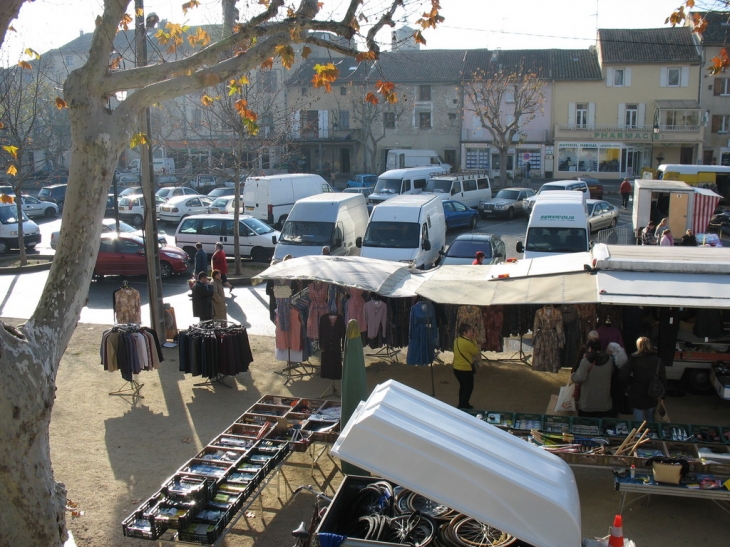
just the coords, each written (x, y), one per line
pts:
(705, 203)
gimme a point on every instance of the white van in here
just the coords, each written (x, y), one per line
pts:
(9, 229)
(332, 220)
(254, 236)
(402, 181)
(160, 166)
(271, 198)
(409, 229)
(558, 224)
(468, 188)
(401, 158)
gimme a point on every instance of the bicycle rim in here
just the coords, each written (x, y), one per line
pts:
(467, 532)
(415, 530)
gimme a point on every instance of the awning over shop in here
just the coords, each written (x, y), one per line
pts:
(677, 104)
(463, 463)
(705, 203)
(380, 276)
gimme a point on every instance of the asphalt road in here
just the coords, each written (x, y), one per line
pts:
(19, 294)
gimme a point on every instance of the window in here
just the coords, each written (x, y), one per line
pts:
(267, 124)
(267, 81)
(674, 77)
(69, 60)
(679, 119)
(581, 114)
(343, 90)
(344, 119)
(482, 184)
(721, 123)
(618, 77)
(424, 120)
(470, 185)
(424, 92)
(389, 120)
(722, 86)
(632, 114)
(452, 117)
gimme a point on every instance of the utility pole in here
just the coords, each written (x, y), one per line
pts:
(151, 247)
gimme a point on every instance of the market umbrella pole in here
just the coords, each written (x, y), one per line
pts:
(354, 383)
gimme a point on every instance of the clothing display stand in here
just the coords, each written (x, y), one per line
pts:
(129, 389)
(523, 357)
(217, 379)
(386, 351)
(294, 370)
(210, 325)
(331, 391)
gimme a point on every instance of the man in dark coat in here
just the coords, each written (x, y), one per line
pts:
(203, 298)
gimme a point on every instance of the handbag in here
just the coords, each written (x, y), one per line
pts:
(660, 413)
(668, 470)
(566, 400)
(656, 386)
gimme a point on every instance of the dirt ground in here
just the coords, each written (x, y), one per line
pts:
(112, 453)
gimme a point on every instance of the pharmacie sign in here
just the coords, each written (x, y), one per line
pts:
(626, 135)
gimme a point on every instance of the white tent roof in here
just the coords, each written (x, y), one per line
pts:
(464, 463)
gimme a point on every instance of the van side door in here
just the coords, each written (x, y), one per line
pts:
(405, 186)
(456, 189)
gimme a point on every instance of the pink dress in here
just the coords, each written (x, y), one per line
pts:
(317, 308)
(356, 309)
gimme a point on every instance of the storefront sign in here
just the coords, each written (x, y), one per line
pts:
(627, 135)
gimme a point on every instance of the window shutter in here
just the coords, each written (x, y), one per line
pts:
(641, 114)
(622, 114)
(571, 113)
(323, 122)
(718, 86)
(627, 77)
(715, 124)
(609, 77)
(663, 77)
(685, 77)
(295, 126)
(591, 114)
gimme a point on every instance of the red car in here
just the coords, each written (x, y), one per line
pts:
(123, 254)
(594, 186)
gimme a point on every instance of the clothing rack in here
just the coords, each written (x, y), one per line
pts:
(387, 351)
(333, 388)
(296, 369)
(131, 387)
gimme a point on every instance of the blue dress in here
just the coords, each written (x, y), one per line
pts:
(423, 334)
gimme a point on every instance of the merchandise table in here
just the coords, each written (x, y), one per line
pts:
(638, 486)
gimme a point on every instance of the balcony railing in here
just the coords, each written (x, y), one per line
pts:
(624, 128)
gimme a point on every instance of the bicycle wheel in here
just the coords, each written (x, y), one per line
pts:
(428, 507)
(412, 529)
(467, 532)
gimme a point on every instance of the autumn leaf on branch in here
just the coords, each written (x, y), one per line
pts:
(137, 140)
(25, 64)
(719, 63)
(306, 52)
(431, 18)
(325, 75)
(125, 22)
(32, 53)
(171, 36)
(387, 90)
(366, 56)
(199, 38)
(207, 100)
(371, 98)
(286, 53)
(60, 103)
(12, 170)
(190, 5)
(4, 198)
(268, 63)
(12, 150)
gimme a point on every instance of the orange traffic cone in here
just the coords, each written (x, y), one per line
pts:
(617, 532)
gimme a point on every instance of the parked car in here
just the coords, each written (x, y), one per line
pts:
(177, 208)
(55, 193)
(8, 190)
(33, 207)
(508, 202)
(224, 205)
(573, 185)
(165, 180)
(364, 190)
(464, 248)
(167, 193)
(202, 181)
(123, 254)
(111, 206)
(360, 181)
(125, 178)
(131, 208)
(130, 191)
(222, 191)
(601, 214)
(9, 229)
(459, 215)
(109, 226)
(594, 186)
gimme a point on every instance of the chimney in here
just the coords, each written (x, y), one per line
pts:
(81, 33)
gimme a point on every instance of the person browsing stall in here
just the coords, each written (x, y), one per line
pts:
(647, 234)
(638, 374)
(219, 297)
(466, 355)
(594, 375)
(203, 298)
(667, 240)
(478, 259)
(219, 262)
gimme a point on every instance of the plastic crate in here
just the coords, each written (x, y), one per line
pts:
(201, 532)
(237, 442)
(269, 410)
(278, 400)
(586, 426)
(224, 455)
(614, 427)
(708, 434)
(681, 451)
(208, 469)
(499, 418)
(654, 429)
(556, 424)
(527, 421)
(244, 429)
(140, 525)
(649, 450)
(676, 432)
(189, 489)
(169, 514)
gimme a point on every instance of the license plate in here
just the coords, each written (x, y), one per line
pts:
(249, 208)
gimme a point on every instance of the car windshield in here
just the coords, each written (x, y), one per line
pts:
(220, 202)
(556, 240)
(296, 232)
(547, 188)
(398, 235)
(468, 249)
(507, 194)
(369, 179)
(44, 193)
(388, 186)
(257, 226)
(436, 185)
(8, 215)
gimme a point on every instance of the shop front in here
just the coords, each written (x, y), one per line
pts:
(526, 161)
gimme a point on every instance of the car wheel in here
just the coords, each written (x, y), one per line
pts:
(137, 220)
(473, 223)
(165, 270)
(4, 247)
(614, 222)
(510, 213)
(50, 212)
(260, 254)
(30, 247)
(697, 381)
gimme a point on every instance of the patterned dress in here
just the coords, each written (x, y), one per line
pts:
(318, 292)
(473, 316)
(547, 339)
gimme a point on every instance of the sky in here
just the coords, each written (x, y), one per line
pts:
(505, 24)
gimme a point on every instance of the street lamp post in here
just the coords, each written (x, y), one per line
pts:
(151, 246)
(654, 134)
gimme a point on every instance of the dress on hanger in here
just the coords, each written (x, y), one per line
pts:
(127, 306)
(376, 314)
(318, 292)
(473, 316)
(547, 339)
(356, 308)
(331, 341)
(423, 335)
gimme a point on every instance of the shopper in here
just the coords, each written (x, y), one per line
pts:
(667, 240)
(637, 374)
(326, 250)
(594, 375)
(466, 355)
(219, 297)
(478, 259)
(647, 234)
(200, 260)
(220, 263)
(203, 298)
(625, 191)
(688, 239)
(592, 335)
(663, 225)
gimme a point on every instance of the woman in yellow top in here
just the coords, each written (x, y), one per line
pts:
(466, 354)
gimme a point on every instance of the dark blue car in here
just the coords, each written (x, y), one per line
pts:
(459, 215)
